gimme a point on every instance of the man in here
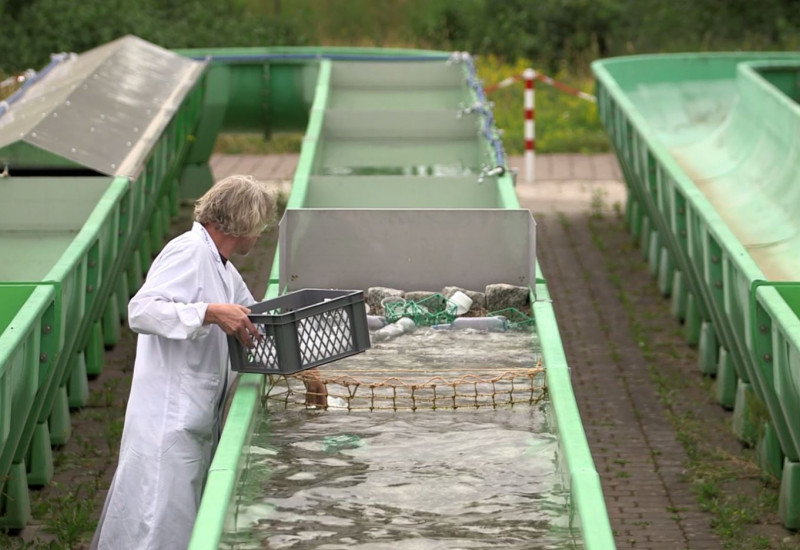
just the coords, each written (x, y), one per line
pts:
(192, 298)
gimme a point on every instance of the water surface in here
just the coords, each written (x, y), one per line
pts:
(472, 477)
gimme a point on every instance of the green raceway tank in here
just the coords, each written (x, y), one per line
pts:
(90, 155)
(709, 146)
(397, 144)
(112, 138)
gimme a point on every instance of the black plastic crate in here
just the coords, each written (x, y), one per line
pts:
(303, 329)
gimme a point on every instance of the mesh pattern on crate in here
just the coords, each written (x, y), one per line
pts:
(324, 335)
(321, 336)
(373, 391)
(264, 353)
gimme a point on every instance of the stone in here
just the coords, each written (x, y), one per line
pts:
(502, 296)
(418, 295)
(377, 293)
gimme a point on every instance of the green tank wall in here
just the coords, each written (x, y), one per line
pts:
(64, 318)
(312, 187)
(708, 147)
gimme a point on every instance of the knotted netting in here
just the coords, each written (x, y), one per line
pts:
(427, 369)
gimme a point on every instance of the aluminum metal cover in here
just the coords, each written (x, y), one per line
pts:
(408, 249)
(103, 109)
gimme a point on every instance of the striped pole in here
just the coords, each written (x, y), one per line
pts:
(529, 75)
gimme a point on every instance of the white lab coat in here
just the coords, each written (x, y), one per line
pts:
(173, 419)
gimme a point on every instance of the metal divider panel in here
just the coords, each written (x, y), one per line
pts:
(409, 249)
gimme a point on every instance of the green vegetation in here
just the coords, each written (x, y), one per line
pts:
(255, 144)
(557, 37)
(35, 29)
(564, 123)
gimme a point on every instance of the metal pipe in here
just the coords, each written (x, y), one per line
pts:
(317, 57)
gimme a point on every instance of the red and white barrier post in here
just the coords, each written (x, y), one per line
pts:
(529, 75)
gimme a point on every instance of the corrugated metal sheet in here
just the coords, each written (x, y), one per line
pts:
(103, 109)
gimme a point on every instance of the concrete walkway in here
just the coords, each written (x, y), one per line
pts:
(566, 182)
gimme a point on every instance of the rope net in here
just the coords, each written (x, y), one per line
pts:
(372, 390)
(427, 357)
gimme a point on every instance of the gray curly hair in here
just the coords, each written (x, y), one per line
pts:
(239, 206)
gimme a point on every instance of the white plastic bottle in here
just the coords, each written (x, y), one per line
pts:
(489, 324)
(393, 330)
(375, 322)
(406, 324)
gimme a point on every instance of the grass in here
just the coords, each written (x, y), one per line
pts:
(256, 144)
(9, 89)
(69, 516)
(66, 514)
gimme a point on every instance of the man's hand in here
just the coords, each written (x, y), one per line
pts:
(233, 320)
